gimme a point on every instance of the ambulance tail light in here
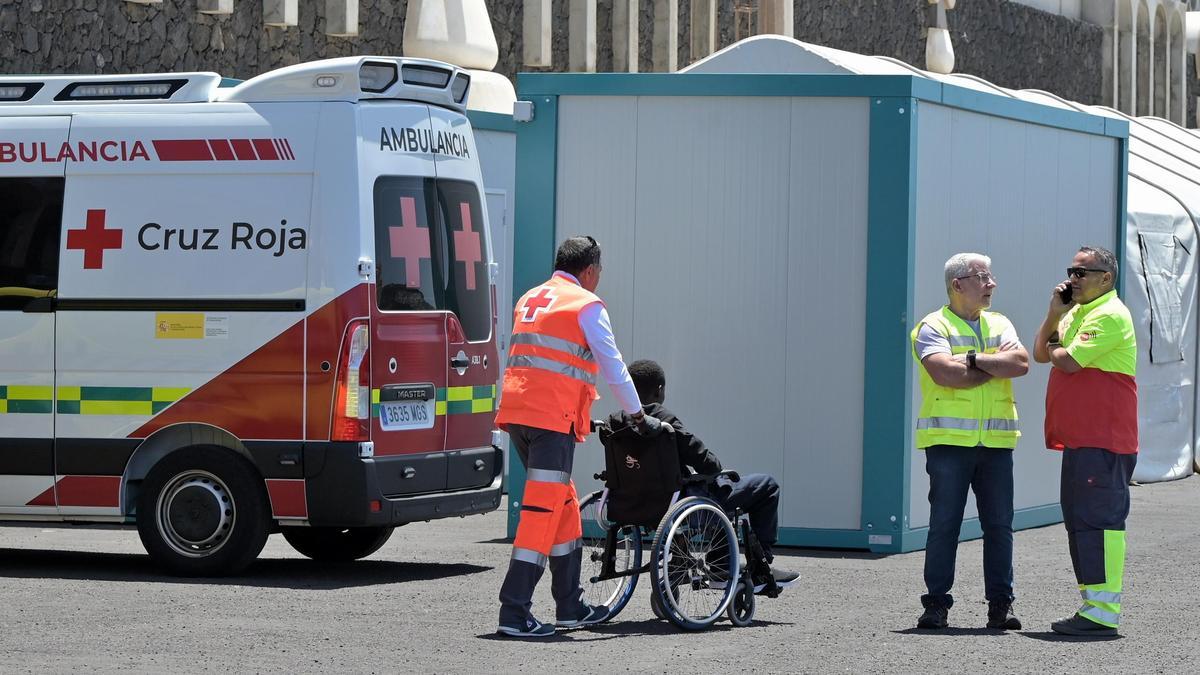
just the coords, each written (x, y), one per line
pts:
(376, 77)
(352, 402)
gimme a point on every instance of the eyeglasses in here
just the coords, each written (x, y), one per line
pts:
(983, 277)
(1081, 272)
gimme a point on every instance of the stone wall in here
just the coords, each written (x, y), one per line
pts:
(1006, 42)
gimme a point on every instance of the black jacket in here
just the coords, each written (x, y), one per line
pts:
(692, 451)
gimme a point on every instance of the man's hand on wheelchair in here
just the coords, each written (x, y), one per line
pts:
(650, 426)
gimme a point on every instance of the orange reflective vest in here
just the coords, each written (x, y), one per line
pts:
(550, 378)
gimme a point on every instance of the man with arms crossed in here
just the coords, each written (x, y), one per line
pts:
(967, 426)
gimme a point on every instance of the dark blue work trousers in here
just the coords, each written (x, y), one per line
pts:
(989, 473)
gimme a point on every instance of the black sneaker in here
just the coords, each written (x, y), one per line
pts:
(1001, 616)
(531, 628)
(935, 616)
(1078, 625)
(592, 614)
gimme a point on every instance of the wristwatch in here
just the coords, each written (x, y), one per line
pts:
(971, 360)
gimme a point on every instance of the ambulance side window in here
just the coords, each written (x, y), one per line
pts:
(468, 290)
(408, 252)
(30, 231)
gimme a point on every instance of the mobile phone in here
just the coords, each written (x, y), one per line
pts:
(1065, 295)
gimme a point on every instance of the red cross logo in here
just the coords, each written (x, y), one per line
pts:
(538, 303)
(409, 242)
(94, 239)
(466, 245)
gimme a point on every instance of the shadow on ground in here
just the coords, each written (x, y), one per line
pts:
(298, 574)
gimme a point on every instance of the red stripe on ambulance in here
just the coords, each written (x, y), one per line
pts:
(223, 149)
(89, 491)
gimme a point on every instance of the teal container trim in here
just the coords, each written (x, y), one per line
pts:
(1023, 519)
(891, 252)
(533, 230)
(532, 85)
(492, 121)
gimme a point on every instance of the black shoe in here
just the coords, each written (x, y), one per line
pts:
(1078, 625)
(591, 614)
(531, 627)
(935, 616)
(1001, 616)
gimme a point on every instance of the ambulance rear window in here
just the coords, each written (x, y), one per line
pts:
(431, 250)
(406, 248)
(30, 226)
(468, 291)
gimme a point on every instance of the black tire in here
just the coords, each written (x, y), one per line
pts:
(203, 511)
(741, 608)
(337, 544)
(694, 590)
(612, 593)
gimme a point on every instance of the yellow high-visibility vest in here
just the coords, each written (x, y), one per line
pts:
(984, 415)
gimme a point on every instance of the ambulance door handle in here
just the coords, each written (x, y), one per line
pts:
(39, 306)
(460, 362)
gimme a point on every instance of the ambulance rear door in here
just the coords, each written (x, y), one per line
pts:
(409, 358)
(31, 201)
(470, 298)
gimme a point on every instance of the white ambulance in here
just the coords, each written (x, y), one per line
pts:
(231, 311)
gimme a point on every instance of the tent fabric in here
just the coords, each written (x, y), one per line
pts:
(1159, 269)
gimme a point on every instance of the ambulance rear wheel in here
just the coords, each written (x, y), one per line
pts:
(337, 544)
(203, 511)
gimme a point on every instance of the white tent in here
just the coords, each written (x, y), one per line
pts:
(1159, 264)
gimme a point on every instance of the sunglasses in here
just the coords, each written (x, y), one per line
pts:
(1081, 272)
(983, 277)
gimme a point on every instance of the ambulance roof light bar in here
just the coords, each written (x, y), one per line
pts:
(151, 88)
(358, 78)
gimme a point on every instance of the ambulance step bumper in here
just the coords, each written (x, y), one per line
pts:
(346, 490)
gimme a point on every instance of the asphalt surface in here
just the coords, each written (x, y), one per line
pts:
(89, 599)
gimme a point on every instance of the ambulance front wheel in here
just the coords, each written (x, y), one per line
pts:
(337, 544)
(203, 511)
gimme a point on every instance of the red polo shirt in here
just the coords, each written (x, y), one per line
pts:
(1097, 406)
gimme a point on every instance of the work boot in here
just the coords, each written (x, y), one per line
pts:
(936, 614)
(1001, 616)
(1082, 627)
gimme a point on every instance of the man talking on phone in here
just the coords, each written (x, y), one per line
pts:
(1091, 416)
(967, 427)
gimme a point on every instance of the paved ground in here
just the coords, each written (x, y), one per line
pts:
(75, 599)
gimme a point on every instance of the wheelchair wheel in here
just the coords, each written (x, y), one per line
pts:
(741, 608)
(695, 563)
(627, 555)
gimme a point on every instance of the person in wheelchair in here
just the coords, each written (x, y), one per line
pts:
(756, 494)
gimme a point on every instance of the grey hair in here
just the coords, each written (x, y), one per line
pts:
(959, 265)
(1105, 259)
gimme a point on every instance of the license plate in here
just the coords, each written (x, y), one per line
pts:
(399, 415)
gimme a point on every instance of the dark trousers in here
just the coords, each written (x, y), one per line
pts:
(757, 495)
(1095, 497)
(552, 451)
(989, 472)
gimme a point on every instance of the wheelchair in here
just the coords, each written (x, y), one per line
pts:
(696, 571)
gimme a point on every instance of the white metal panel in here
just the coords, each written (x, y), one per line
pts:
(1028, 196)
(719, 241)
(826, 330)
(595, 196)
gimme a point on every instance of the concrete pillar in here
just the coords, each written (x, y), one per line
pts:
(625, 36)
(535, 33)
(704, 28)
(666, 36)
(776, 16)
(214, 6)
(341, 18)
(581, 36)
(454, 31)
(280, 12)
